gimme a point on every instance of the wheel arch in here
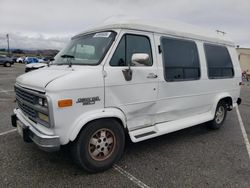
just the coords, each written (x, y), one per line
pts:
(227, 98)
(229, 102)
(86, 118)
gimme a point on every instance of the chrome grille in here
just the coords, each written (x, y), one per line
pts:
(25, 95)
(27, 101)
(24, 98)
(26, 109)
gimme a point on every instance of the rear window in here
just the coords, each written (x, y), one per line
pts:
(219, 62)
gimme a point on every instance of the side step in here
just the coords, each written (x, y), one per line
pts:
(168, 127)
(144, 134)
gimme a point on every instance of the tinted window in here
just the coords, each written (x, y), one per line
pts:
(219, 62)
(118, 58)
(180, 59)
(129, 45)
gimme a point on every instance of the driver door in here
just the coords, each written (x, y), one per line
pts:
(137, 97)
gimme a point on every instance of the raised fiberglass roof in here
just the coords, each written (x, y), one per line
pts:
(168, 27)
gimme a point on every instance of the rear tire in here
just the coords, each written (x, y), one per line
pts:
(219, 117)
(99, 145)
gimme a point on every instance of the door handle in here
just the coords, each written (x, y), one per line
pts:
(152, 75)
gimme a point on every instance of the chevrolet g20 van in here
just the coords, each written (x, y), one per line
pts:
(131, 77)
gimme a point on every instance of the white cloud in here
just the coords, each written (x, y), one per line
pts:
(33, 41)
(37, 21)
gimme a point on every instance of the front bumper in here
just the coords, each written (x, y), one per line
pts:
(29, 133)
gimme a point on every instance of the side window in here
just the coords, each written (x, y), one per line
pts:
(180, 59)
(219, 62)
(130, 44)
(119, 58)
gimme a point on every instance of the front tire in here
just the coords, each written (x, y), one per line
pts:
(7, 64)
(99, 145)
(219, 117)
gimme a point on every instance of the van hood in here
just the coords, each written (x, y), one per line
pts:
(39, 79)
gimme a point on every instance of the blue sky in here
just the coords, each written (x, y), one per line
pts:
(50, 23)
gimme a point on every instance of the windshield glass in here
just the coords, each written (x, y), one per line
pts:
(85, 50)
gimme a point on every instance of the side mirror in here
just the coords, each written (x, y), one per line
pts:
(140, 58)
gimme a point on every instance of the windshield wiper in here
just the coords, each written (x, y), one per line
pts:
(69, 57)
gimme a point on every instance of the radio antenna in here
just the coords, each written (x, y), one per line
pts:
(222, 32)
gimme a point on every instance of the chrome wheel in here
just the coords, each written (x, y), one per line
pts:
(220, 113)
(102, 144)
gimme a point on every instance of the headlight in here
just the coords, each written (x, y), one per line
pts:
(45, 103)
(42, 102)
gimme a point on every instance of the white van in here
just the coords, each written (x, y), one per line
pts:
(131, 77)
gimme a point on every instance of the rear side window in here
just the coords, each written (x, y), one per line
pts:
(130, 44)
(219, 62)
(180, 59)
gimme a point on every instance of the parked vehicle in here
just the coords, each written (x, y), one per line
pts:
(6, 61)
(47, 59)
(20, 59)
(28, 60)
(14, 58)
(137, 78)
(41, 60)
(34, 66)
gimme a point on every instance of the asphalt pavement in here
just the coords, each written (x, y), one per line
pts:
(193, 157)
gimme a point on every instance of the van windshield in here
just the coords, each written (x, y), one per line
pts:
(86, 50)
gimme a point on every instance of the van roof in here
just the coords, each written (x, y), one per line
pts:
(169, 27)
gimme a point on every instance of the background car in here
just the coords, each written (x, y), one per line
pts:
(6, 61)
(33, 66)
(48, 58)
(29, 60)
(20, 60)
(41, 60)
(14, 58)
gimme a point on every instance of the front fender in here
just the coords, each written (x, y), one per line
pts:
(93, 115)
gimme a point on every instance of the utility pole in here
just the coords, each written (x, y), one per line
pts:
(8, 42)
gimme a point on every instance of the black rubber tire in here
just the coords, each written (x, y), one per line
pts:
(214, 124)
(7, 64)
(80, 152)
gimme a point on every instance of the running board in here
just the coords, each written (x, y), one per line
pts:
(168, 127)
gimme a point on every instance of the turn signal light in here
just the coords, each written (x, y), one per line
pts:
(65, 103)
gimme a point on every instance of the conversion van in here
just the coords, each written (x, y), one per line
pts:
(131, 77)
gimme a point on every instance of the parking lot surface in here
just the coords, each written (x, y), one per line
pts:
(194, 157)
